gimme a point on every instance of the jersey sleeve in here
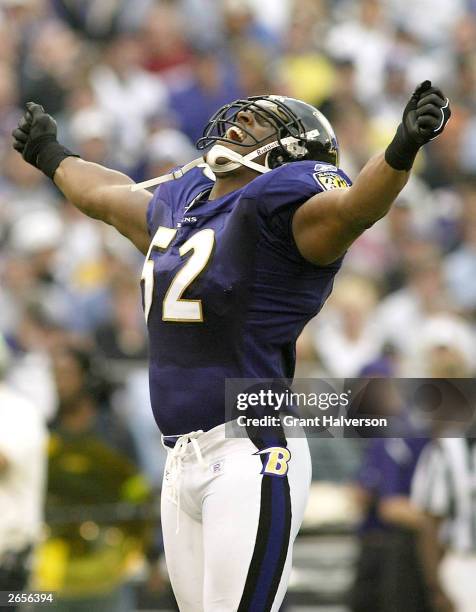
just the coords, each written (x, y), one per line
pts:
(279, 193)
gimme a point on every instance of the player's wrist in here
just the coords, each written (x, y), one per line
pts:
(48, 154)
(402, 151)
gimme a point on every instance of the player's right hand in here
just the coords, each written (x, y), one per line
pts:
(35, 129)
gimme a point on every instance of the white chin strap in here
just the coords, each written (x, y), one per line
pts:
(235, 160)
(211, 165)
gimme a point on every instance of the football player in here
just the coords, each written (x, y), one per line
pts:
(241, 249)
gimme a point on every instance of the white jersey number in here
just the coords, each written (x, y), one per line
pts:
(174, 308)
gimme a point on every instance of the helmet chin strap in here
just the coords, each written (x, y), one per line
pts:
(211, 165)
(235, 160)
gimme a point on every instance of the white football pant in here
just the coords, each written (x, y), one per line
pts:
(231, 510)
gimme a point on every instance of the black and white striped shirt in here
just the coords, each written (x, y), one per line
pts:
(444, 485)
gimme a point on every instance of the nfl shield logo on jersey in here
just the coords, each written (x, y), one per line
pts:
(330, 179)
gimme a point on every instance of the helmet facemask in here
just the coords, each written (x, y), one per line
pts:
(264, 108)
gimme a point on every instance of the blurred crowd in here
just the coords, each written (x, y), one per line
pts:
(131, 85)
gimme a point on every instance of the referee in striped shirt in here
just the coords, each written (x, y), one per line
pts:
(444, 488)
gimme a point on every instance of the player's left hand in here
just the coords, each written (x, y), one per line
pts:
(426, 114)
(424, 118)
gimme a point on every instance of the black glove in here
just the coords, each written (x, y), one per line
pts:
(35, 139)
(424, 118)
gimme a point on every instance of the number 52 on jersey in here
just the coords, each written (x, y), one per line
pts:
(174, 308)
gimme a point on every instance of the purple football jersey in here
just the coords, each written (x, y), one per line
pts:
(226, 291)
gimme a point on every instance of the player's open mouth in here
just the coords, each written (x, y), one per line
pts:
(236, 134)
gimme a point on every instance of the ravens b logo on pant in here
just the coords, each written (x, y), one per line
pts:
(277, 462)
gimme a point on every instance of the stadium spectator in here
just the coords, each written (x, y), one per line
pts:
(96, 506)
(444, 481)
(460, 265)
(446, 348)
(366, 40)
(166, 149)
(22, 481)
(93, 135)
(443, 488)
(101, 20)
(305, 70)
(122, 338)
(346, 339)
(401, 314)
(22, 190)
(195, 96)
(31, 367)
(163, 35)
(389, 531)
(47, 69)
(119, 75)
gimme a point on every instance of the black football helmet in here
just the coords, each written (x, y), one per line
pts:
(302, 131)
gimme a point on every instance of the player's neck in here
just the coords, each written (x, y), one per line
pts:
(226, 183)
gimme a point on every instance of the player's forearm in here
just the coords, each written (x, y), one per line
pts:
(373, 193)
(84, 183)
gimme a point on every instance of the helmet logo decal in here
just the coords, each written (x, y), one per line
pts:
(325, 122)
(313, 134)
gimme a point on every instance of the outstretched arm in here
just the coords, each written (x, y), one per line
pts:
(327, 224)
(97, 191)
(105, 194)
